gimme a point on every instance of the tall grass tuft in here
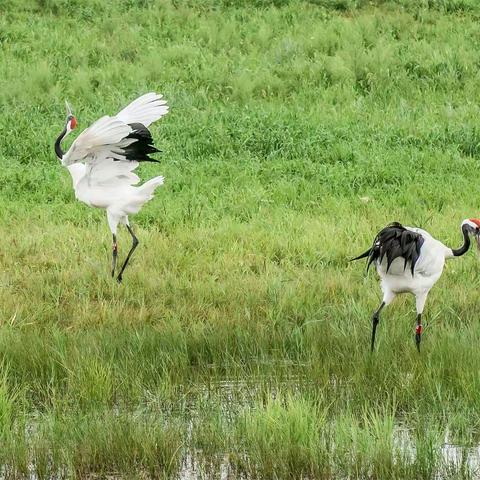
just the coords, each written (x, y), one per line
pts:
(284, 439)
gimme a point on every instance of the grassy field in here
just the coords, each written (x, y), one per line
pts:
(238, 343)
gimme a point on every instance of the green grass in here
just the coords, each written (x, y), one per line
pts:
(239, 338)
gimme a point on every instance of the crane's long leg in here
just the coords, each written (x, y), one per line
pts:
(114, 254)
(135, 243)
(420, 299)
(375, 320)
(418, 331)
(112, 223)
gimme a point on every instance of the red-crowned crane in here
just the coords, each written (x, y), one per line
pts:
(102, 159)
(410, 260)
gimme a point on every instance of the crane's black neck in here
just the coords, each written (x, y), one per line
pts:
(58, 149)
(466, 244)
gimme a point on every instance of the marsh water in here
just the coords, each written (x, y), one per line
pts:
(235, 395)
(208, 412)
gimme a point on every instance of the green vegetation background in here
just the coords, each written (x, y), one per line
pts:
(240, 334)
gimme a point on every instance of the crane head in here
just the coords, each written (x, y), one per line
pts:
(71, 120)
(472, 227)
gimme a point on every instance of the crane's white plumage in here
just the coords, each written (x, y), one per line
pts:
(428, 269)
(145, 110)
(410, 260)
(106, 138)
(103, 139)
(103, 158)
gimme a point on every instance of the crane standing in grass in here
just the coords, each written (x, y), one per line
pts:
(102, 159)
(397, 247)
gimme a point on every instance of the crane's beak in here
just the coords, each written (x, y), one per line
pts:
(69, 110)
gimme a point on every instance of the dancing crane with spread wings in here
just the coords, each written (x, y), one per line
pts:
(102, 159)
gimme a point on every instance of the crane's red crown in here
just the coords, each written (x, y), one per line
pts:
(73, 122)
(476, 221)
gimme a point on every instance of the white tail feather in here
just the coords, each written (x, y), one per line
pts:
(149, 187)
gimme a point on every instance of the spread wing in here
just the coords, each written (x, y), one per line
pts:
(145, 110)
(104, 138)
(112, 173)
(392, 242)
(112, 147)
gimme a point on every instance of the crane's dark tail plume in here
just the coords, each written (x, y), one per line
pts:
(370, 254)
(363, 255)
(394, 241)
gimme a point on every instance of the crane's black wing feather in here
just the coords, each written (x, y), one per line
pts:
(394, 241)
(140, 150)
